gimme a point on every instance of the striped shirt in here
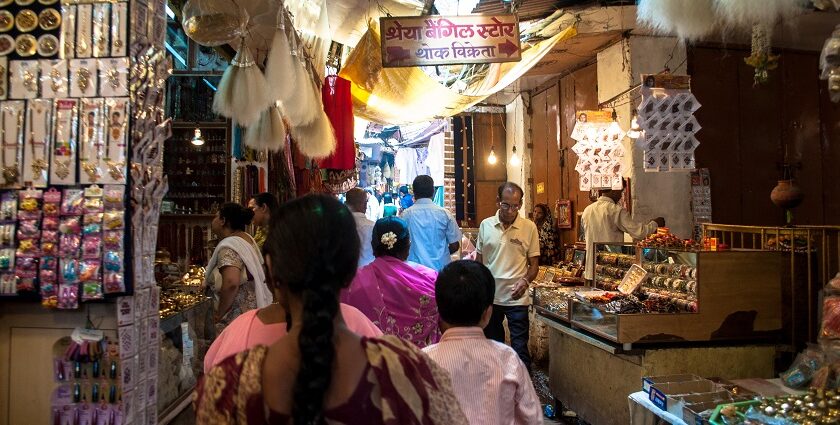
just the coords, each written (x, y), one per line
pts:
(490, 382)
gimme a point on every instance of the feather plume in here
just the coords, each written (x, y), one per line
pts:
(302, 106)
(316, 140)
(243, 92)
(745, 13)
(279, 68)
(689, 20)
(268, 132)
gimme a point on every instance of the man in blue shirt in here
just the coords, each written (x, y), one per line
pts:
(434, 233)
(405, 198)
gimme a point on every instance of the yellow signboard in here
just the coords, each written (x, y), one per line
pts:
(540, 188)
(443, 40)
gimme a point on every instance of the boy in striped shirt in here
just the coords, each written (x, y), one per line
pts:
(489, 380)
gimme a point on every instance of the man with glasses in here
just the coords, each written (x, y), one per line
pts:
(509, 245)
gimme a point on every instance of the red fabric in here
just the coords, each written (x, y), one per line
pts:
(339, 108)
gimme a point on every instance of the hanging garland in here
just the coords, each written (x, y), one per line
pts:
(761, 57)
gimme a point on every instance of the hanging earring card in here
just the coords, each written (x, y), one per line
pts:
(63, 157)
(54, 79)
(91, 137)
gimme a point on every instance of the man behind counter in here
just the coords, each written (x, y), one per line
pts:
(606, 221)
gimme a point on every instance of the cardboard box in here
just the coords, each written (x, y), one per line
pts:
(691, 412)
(649, 381)
(669, 396)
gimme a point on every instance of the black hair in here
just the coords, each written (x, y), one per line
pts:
(236, 216)
(390, 224)
(404, 189)
(424, 187)
(512, 186)
(266, 199)
(314, 251)
(546, 212)
(463, 291)
(387, 198)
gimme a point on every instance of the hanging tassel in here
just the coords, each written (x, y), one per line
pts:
(243, 91)
(689, 20)
(268, 132)
(316, 140)
(302, 107)
(279, 67)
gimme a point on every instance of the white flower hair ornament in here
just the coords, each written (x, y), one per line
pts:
(389, 239)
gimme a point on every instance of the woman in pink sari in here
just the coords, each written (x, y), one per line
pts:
(398, 296)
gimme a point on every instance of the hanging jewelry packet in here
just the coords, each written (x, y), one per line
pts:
(8, 224)
(84, 28)
(28, 239)
(101, 30)
(4, 71)
(54, 78)
(113, 77)
(37, 142)
(11, 134)
(63, 169)
(23, 79)
(119, 29)
(116, 136)
(91, 138)
(83, 77)
(68, 31)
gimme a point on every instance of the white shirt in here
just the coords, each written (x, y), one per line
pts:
(373, 212)
(435, 159)
(365, 229)
(489, 380)
(604, 221)
(506, 252)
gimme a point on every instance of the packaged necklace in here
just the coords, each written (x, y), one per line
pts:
(37, 143)
(113, 77)
(83, 77)
(63, 163)
(116, 116)
(11, 137)
(68, 31)
(84, 27)
(119, 27)
(101, 30)
(91, 139)
(23, 79)
(54, 78)
(4, 70)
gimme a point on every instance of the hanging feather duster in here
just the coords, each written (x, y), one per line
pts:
(744, 14)
(316, 140)
(268, 132)
(303, 105)
(689, 20)
(279, 68)
(243, 92)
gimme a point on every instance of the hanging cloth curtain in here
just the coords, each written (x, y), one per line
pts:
(335, 94)
(408, 95)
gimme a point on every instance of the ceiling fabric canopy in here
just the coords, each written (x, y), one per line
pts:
(408, 95)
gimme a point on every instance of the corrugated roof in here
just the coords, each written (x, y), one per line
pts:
(537, 9)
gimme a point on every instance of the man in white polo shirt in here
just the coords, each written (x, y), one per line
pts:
(509, 245)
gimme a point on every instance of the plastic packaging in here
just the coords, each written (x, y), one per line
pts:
(831, 318)
(68, 296)
(72, 202)
(802, 370)
(29, 207)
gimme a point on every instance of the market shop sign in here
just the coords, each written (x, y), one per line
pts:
(444, 40)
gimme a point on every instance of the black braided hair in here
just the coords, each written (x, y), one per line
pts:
(314, 249)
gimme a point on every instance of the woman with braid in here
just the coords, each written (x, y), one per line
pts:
(321, 372)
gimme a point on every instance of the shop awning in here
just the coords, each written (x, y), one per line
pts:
(408, 95)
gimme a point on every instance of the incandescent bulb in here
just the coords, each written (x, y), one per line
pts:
(514, 158)
(491, 159)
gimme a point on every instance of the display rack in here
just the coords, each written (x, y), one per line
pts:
(200, 175)
(611, 264)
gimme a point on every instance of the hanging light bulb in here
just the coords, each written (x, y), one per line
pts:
(514, 158)
(491, 159)
(197, 140)
(635, 131)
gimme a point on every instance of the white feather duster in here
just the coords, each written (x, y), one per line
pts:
(301, 108)
(745, 13)
(279, 68)
(268, 132)
(689, 20)
(243, 92)
(316, 140)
